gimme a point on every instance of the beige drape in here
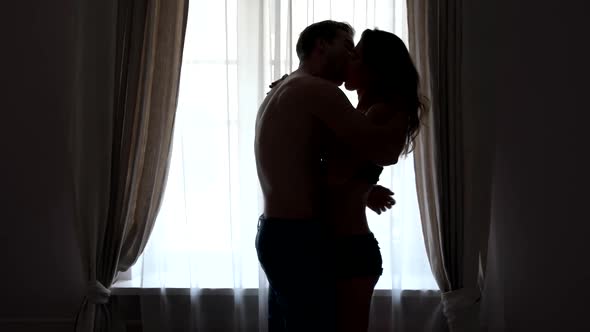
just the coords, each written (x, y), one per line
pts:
(451, 232)
(121, 136)
(424, 153)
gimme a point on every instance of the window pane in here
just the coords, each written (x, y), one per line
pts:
(204, 234)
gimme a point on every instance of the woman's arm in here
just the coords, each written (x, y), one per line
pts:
(327, 103)
(380, 198)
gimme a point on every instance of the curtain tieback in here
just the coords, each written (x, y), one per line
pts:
(97, 293)
(460, 303)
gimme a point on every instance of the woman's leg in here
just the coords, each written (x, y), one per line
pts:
(354, 303)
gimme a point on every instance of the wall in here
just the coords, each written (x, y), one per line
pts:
(41, 270)
(41, 274)
(527, 65)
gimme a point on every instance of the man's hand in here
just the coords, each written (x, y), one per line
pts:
(380, 199)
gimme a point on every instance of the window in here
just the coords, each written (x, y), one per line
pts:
(205, 231)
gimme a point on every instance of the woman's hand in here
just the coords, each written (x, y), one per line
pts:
(273, 84)
(380, 199)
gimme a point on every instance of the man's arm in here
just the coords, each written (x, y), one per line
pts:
(330, 105)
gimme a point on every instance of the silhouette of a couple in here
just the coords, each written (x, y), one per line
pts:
(319, 159)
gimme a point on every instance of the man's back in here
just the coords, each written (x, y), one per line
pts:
(288, 148)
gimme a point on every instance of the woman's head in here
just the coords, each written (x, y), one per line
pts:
(383, 68)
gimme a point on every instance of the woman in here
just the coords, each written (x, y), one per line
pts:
(387, 84)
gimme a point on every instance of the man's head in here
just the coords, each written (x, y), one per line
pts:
(327, 46)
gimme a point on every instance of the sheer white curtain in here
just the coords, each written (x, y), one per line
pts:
(204, 236)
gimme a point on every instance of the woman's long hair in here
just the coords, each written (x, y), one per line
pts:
(389, 63)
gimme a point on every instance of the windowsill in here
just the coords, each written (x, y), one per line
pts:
(117, 290)
(132, 287)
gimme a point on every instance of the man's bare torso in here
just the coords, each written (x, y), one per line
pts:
(288, 148)
(293, 125)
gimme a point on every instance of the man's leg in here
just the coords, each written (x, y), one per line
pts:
(276, 319)
(307, 287)
(295, 258)
(311, 305)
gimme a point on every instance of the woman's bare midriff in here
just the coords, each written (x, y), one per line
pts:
(346, 206)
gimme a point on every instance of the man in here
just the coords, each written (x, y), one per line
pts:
(292, 124)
